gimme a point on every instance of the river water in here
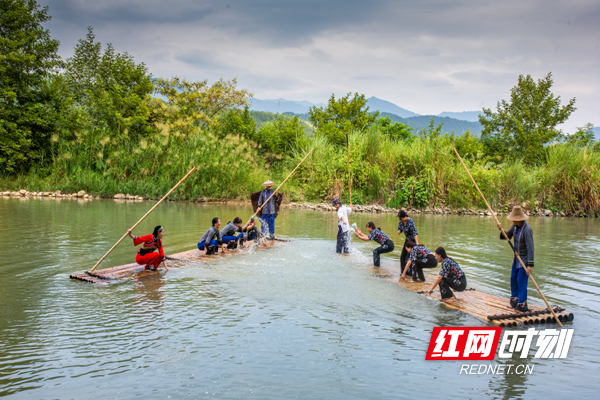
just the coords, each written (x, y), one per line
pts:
(294, 321)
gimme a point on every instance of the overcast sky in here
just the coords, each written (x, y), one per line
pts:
(425, 56)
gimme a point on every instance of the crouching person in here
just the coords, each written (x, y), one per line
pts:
(450, 279)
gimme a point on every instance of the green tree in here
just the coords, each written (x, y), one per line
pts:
(110, 89)
(281, 136)
(394, 130)
(431, 131)
(28, 60)
(191, 105)
(526, 123)
(237, 122)
(583, 137)
(468, 145)
(341, 116)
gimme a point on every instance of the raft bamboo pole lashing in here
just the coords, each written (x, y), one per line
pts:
(291, 173)
(145, 215)
(507, 240)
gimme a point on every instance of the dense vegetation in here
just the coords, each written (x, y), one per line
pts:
(99, 121)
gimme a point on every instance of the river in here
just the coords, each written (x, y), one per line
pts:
(294, 321)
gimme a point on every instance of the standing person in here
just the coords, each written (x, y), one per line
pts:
(406, 225)
(343, 237)
(451, 277)
(523, 244)
(229, 233)
(378, 236)
(147, 254)
(268, 211)
(420, 257)
(211, 239)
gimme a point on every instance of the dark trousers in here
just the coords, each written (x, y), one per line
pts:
(419, 264)
(384, 248)
(404, 260)
(446, 286)
(267, 221)
(342, 241)
(518, 282)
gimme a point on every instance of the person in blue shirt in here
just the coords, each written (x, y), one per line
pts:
(522, 234)
(407, 226)
(267, 220)
(376, 235)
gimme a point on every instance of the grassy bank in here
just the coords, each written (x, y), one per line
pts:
(418, 173)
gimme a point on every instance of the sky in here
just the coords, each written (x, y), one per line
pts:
(426, 56)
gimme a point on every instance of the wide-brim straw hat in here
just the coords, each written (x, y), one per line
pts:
(268, 183)
(517, 214)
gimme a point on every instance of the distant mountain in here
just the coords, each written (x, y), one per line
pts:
(472, 116)
(282, 105)
(450, 124)
(376, 104)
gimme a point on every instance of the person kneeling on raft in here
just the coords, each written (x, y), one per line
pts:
(250, 231)
(211, 239)
(378, 236)
(147, 255)
(451, 277)
(419, 257)
(228, 233)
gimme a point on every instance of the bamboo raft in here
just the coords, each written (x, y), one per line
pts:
(492, 309)
(128, 271)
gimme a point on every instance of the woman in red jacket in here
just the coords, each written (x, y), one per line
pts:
(147, 254)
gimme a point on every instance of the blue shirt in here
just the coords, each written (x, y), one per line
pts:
(378, 236)
(451, 270)
(410, 230)
(269, 208)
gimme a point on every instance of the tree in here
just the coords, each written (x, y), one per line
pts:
(341, 116)
(526, 123)
(431, 131)
(583, 137)
(237, 122)
(191, 105)
(394, 130)
(110, 88)
(28, 60)
(281, 136)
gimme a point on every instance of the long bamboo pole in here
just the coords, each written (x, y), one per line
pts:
(349, 175)
(507, 240)
(145, 215)
(280, 185)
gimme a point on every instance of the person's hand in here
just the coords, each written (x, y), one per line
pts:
(499, 226)
(403, 276)
(427, 293)
(528, 269)
(358, 230)
(399, 232)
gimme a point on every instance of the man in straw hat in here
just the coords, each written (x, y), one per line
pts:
(343, 236)
(523, 243)
(268, 211)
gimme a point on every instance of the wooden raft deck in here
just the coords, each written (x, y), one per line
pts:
(186, 258)
(493, 309)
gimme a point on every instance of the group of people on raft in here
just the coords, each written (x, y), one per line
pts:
(415, 256)
(413, 259)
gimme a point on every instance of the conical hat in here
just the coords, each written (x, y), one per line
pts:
(268, 183)
(517, 214)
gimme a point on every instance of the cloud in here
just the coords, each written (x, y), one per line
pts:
(426, 56)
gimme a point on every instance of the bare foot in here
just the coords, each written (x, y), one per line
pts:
(450, 300)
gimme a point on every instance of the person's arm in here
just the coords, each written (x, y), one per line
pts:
(509, 232)
(406, 269)
(530, 252)
(416, 239)
(131, 235)
(361, 235)
(437, 282)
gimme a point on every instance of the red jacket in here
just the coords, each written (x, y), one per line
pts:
(149, 244)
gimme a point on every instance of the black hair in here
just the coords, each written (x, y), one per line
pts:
(410, 244)
(157, 229)
(215, 220)
(402, 214)
(440, 251)
(371, 225)
(237, 220)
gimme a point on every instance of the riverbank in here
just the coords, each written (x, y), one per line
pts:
(325, 207)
